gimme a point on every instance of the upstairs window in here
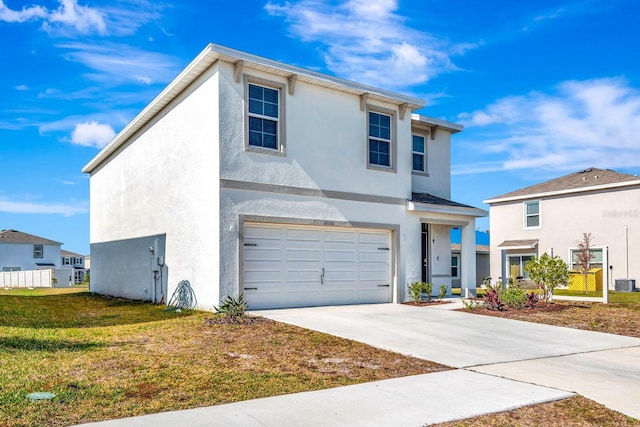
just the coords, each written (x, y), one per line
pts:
(263, 116)
(379, 140)
(419, 153)
(38, 251)
(66, 261)
(532, 214)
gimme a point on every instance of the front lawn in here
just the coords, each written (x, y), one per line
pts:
(108, 358)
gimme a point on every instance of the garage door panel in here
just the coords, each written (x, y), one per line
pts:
(306, 276)
(262, 254)
(303, 255)
(373, 238)
(340, 236)
(297, 266)
(303, 235)
(376, 256)
(339, 255)
(262, 275)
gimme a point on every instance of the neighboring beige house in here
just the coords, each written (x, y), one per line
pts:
(295, 188)
(552, 216)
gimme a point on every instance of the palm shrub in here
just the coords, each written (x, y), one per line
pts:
(231, 307)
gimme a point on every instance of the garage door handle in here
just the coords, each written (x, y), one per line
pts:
(250, 289)
(383, 286)
(322, 277)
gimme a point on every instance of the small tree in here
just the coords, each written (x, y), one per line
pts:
(584, 257)
(548, 272)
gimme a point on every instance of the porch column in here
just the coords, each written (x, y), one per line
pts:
(468, 260)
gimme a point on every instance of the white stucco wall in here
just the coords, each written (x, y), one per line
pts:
(325, 142)
(563, 221)
(21, 255)
(166, 182)
(438, 179)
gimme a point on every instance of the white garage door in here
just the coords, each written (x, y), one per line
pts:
(294, 266)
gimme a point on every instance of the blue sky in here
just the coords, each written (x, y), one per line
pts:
(543, 88)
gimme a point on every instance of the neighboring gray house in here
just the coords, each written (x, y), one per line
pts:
(552, 216)
(22, 251)
(294, 188)
(75, 262)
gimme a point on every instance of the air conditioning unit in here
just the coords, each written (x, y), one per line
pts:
(625, 285)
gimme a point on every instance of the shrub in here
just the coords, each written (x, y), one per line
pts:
(548, 272)
(532, 300)
(416, 289)
(514, 297)
(443, 291)
(492, 301)
(231, 307)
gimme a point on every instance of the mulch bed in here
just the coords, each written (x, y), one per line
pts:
(240, 320)
(541, 307)
(426, 303)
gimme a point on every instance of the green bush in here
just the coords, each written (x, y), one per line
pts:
(514, 297)
(443, 291)
(231, 307)
(416, 289)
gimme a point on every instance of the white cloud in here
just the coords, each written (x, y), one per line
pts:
(10, 206)
(584, 123)
(69, 14)
(118, 63)
(71, 18)
(22, 87)
(92, 134)
(367, 41)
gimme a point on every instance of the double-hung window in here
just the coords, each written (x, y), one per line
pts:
(419, 153)
(38, 251)
(532, 214)
(263, 105)
(380, 141)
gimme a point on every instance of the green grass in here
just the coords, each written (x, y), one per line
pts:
(631, 299)
(108, 358)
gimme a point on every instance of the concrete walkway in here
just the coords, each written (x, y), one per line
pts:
(504, 364)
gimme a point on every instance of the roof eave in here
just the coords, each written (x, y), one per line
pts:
(433, 122)
(450, 210)
(562, 192)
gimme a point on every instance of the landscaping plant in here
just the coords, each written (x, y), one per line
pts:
(584, 257)
(443, 291)
(492, 300)
(233, 308)
(548, 272)
(513, 296)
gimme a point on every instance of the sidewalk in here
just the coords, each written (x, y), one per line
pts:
(403, 402)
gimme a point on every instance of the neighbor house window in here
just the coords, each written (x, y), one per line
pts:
(77, 261)
(532, 214)
(380, 140)
(419, 154)
(264, 117)
(455, 266)
(66, 261)
(595, 261)
(516, 266)
(10, 268)
(38, 251)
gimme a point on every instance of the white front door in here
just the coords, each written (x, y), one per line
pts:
(298, 266)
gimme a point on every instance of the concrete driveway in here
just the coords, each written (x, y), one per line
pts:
(602, 367)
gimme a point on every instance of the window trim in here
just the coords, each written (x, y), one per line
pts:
(393, 142)
(38, 253)
(573, 266)
(424, 172)
(282, 95)
(525, 215)
(10, 269)
(457, 267)
(522, 264)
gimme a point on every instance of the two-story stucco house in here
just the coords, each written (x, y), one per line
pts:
(552, 216)
(75, 262)
(21, 251)
(295, 188)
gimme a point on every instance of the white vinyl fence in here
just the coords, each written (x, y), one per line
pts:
(33, 279)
